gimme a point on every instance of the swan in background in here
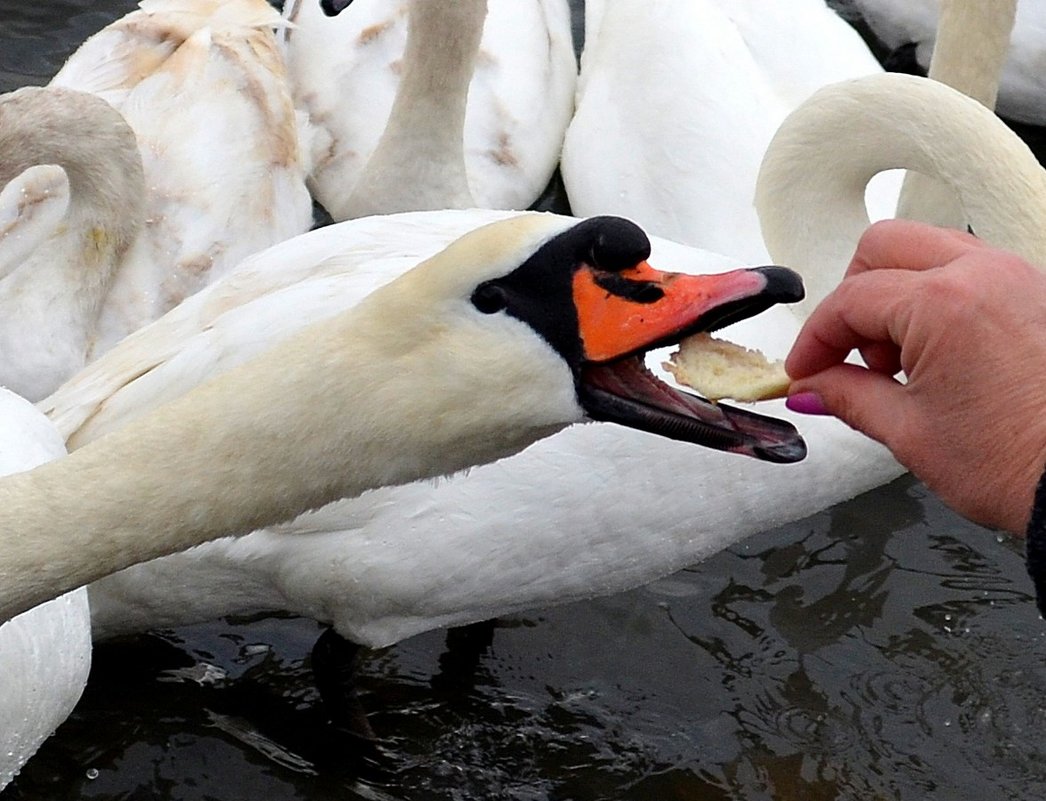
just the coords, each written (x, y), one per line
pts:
(591, 510)
(203, 85)
(1022, 93)
(506, 336)
(860, 127)
(971, 45)
(70, 214)
(678, 100)
(384, 85)
(45, 653)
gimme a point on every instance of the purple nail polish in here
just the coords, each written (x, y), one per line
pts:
(806, 403)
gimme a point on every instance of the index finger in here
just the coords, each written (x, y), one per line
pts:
(909, 245)
(866, 309)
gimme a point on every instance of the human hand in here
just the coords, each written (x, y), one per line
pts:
(967, 325)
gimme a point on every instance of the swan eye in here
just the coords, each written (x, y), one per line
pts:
(489, 298)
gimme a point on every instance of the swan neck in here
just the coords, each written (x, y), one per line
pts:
(420, 157)
(810, 191)
(969, 53)
(48, 125)
(54, 285)
(971, 46)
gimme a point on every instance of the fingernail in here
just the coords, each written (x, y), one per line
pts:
(806, 403)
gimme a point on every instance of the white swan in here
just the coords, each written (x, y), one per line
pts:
(203, 85)
(70, 212)
(506, 336)
(427, 148)
(971, 46)
(592, 509)
(678, 100)
(1023, 88)
(45, 653)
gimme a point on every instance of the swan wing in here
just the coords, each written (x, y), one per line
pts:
(264, 299)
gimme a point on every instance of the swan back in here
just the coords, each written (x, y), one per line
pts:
(204, 87)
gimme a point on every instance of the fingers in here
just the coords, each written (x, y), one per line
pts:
(868, 401)
(908, 245)
(869, 312)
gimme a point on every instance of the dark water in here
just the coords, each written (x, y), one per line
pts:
(884, 649)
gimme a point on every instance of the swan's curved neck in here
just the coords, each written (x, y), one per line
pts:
(810, 192)
(420, 157)
(54, 290)
(968, 55)
(95, 147)
(347, 405)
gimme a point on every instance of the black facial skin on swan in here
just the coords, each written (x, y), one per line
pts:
(617, 387)
(334, 7)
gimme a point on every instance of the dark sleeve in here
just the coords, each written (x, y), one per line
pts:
(1035, 545)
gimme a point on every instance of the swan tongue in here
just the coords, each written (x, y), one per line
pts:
(626, 392)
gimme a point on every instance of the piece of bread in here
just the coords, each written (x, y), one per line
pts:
(719, 369)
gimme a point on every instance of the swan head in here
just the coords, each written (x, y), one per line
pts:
(573, 307)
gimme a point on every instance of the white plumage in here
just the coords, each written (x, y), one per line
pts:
(203, 85)
(519, 79)
(45, 653)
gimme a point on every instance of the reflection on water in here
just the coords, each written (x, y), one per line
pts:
(884, 649)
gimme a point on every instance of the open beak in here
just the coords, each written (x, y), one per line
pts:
(624, 314)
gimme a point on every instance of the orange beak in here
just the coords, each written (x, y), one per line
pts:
(624, 313)
(639, 308)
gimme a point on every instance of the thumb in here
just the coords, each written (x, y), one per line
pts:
(866, 400)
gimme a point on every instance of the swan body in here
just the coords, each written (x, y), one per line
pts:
(203, 85)
(678, 100)
(1022, 88)
(590, 510)
(505, 336)
(45, 653)
(70, 214)
(390, 129)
